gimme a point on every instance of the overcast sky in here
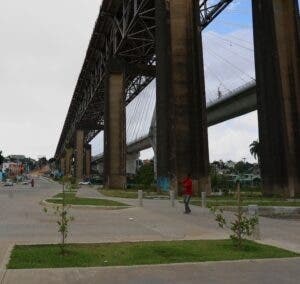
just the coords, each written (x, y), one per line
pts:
(43, 45)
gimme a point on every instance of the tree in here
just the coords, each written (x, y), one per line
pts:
(145, 175)
(1, 158)
(64, 218)
(255, 149)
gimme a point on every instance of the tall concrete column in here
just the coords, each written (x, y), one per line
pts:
(277, 58)
(69, 155)
(115, 131)
(63, 165)
(182, 129)
(88, 159)
(79, 154)
(163, 93)
(153, 141)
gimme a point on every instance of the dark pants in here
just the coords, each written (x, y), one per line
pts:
(186, 200)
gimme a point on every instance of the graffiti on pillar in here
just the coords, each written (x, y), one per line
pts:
(163, 183)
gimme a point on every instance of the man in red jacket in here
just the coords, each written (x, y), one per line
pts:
(187, 193)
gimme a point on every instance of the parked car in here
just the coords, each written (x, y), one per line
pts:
(8, 183)
(85, 183)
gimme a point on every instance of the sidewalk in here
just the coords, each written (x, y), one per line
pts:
(23, 222)
(277, 271)
(92, 192)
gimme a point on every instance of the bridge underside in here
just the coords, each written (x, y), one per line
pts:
(162, 39)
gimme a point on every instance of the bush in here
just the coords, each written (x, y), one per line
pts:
(241, 228)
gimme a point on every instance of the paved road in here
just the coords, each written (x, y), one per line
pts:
(22, 221)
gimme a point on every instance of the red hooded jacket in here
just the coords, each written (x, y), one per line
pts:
(188, 186)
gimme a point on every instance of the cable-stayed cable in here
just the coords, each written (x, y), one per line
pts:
(229, 63)
(248, 59)
(229, 41)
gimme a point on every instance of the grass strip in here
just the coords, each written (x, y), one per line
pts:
(139, 253)
(71, 199)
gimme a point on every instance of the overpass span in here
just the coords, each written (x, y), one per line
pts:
(239, 102)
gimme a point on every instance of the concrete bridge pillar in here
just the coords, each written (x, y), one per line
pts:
(115, 131)
(63, 165)
(182, 142)
(79, 154)
(153, 141)
(88, 159)
(69, 156)
(277, 58)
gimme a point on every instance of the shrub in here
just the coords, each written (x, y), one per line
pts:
(63, 217)
(241, 227)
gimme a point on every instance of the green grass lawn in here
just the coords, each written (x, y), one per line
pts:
(71, 199)
(114, 254)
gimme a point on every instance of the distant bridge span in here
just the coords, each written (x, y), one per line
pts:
(242, 101)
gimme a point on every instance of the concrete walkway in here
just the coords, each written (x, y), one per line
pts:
(87, 191)
(23, 222)
(280, 271)
(92, 192)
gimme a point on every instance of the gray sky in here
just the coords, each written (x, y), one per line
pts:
(43, 45)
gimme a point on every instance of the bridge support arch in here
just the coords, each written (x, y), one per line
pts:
(277, 58)
(182, 142)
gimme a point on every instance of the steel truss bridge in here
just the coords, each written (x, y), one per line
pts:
(132, 44)
(125, 29)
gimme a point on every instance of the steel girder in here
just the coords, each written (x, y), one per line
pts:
(125, 29)
(210, 9)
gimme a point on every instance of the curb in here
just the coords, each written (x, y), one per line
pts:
(163, 265)
(52, 205)
(6, 258)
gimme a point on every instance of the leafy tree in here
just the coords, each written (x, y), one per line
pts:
(145, 175)
(219, 181)
(2, 159)
(255, 149)
(242, 167)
